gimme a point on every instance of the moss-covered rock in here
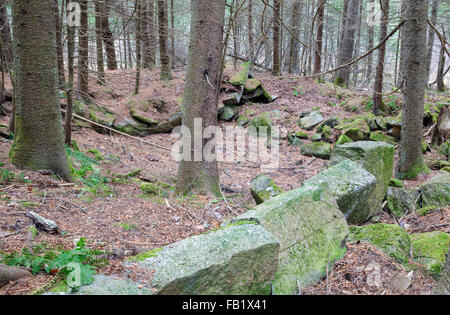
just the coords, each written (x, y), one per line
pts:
(102, 116)
(443, 285)
(260, 126)
(436, 191)
(357, 130)
(150, 189)
(232, 99)
(238, 259)
(351, 185)
(393, 182)
(375, 157)
(426, 210)
(263, 188)
(131, 126)
(229, 113)
(401, 201)
(136, 115)
(429, 249)
(343, 139)
(242, 121)
(381, 137)
(331, 122)
(320, 150)
(251, 85)
(316, 137)
(311, 230)
(240, 77)
(389, 238)
(327, 132)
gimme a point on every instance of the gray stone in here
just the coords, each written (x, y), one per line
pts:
(238, 259)
(311, 120)
(375, 157)
(232, 99)
(436, 191)
(263, 188)
(351, 185)
(311, 231)
(320, 150)
(229, 113)
(401, 201)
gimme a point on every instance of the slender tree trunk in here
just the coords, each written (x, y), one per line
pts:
(276, 66)
(83, 53)
(69, 91)
(370, 36)
(99, 43)
(163, 40)
(250, 33)
(319, 38)
(440, 72)
(433, 19)
(147, 61)
(200, 98)
(39, 139)
(172, 33)
(108, 38)
(411, 161)
(294, 55)
(347, 44)
(152, 31)
(138, 45)
(7, 48)
(378, 88)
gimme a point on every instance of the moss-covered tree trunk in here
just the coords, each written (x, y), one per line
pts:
(411, 161)
(163, 40)
(39, 139)
(201, 94)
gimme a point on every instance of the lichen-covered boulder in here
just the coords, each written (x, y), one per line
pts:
(401, 201)
(232, 99)
(251, 85)
(140, 117)
(357, 130)
(263, 188)
(311, 120)
(389, 238)
(311, 230)
(381, 137)
(238, 259)
(436, 191)
(351, 185)
(103, 117)
(375, 157)
(321, 150)
(343, 139)
(429, 249)
(131, 126)
(229, 113)
(239, 78)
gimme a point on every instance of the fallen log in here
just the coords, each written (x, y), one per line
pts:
(42, 223)
(10, 274)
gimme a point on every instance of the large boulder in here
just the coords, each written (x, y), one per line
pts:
(375, 157)
(311, 230)
(263, 188)
(101, 116)
(436, 191)
(401, 201)
(351, 185)
(389, 238)
(311, 120)
(429, 249)
(130, 126)
(443, 286)
(238, 259)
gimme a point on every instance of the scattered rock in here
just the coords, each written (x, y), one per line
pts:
(311, 230)
(42, 223)
(436, 191)
(310, 121)
(263, 188)
(375, 157)
(401, 201)
(351, 185)
(443, 286)
(401, 282)
(429, 249)
(380, 137)
(389, 238)
(320, 150)
(229, 113)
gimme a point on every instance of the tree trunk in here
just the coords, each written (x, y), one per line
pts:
(378, 88)
(319, 38)
(201, 99)
(99, 43)
(440, 73)
(347, 44)
(294, 58)
(69, 90)
(138, 45)
(108, 38)
(276, 66)
(433, 19)
(370, 35)
(10, 274)
(250, 33)
(59, 47)
(147, 55)
(83, 53)
(39, 140)
(163, 40)
(7, 49)
(411, 162)
(172, 33)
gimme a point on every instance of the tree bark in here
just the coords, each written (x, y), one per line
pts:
(163, 40)
(440, 73)
(294, 55)
(69, 90)
(83, 53)
(99, 43)
(59, 47)
(411, 162)
(201, 98)
(370, 35)
(108, 38)
(138, 45)
(433, 19)
(378, 87)
(39, 139)
(7, 50)
(10, 274)
(319, 38)
(276, 64)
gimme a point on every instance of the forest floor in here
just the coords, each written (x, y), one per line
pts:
(119, 218)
